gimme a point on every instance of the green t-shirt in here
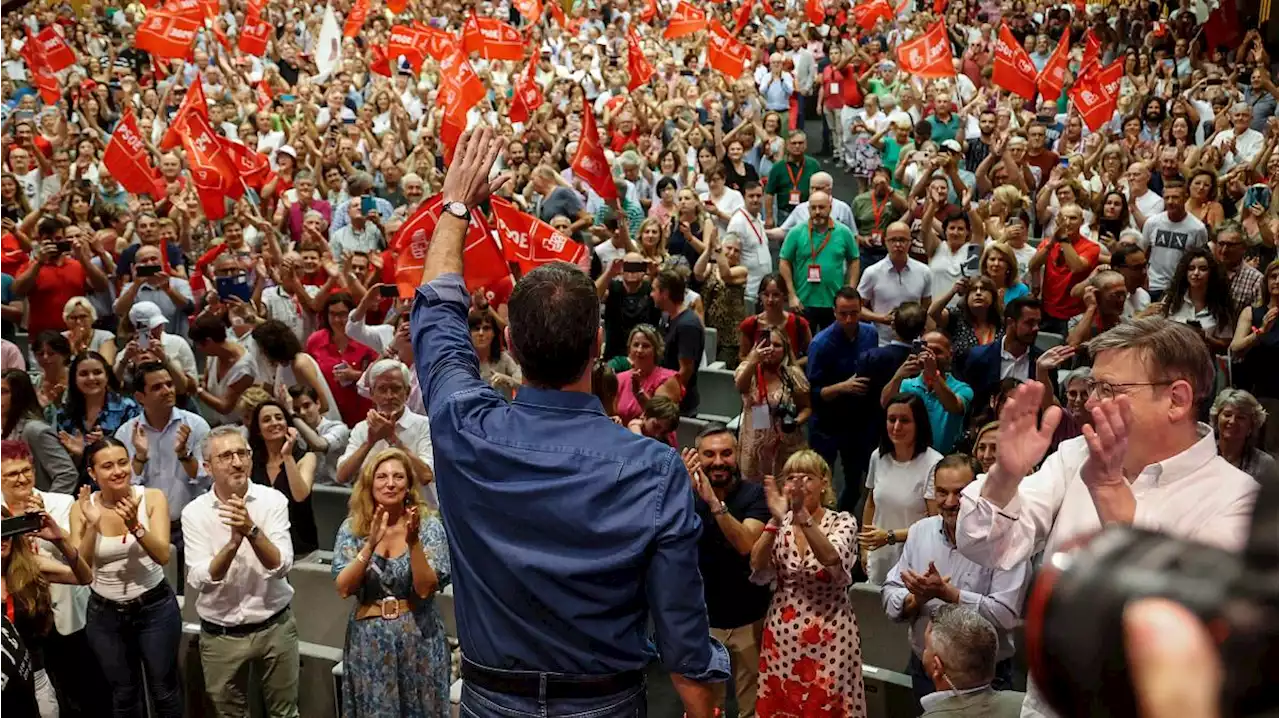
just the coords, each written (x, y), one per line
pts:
(889, 152)
(798, 249)
(780, 185)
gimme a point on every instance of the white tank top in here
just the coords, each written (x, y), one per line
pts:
(122, 569)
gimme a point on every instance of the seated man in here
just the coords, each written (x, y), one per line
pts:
(931, 574)
(959, 655)
(389, 424)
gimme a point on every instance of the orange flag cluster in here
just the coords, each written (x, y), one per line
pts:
(929, 55)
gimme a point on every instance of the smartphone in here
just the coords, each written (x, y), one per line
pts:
(635, 266)
(237, 286)
(389, 291)
(917, 346)
(144, 340)
(149, 270)
(1064, 162)
(18, 525)
(64, 246)
(367, 204)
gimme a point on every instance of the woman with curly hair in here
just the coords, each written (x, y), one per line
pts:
(391, 555)
(1200, 297)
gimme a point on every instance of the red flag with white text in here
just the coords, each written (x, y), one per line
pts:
(529, 242)
(1053, 76)
(253, 37)
(194, 102)
(492, 38)
(185, 9)
(526, 95)
(213, 172)
(483, 267)
(686, 20)
(1014, 70)
(42, 74)
(725, 53)
(440, 43)
(263, 95)
(407, 41)
(1095, 93)
(165, 35)
(589, 163)
(460, 87)
(928, 55)
(253, 167)
(57, 53)
(638, 66)
(867, 14)
(356, 18)
(128, 160)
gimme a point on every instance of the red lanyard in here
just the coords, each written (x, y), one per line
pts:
(877, 210)
(8, 606)
(762, 388)
(813, 253)
(795, 181)
(752, 225)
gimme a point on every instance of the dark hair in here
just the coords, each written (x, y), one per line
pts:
(922, 128)
(554, 318)
(48, 227)
(140, 375)
(256, 443)
(1174, 183)
(955, 214)
(773, 278)
(1213, 182)
(848, 293)
(75, 398)
(604, 384)
(51, 339)
(957, 461)
(23, 401)
(1013, 310)
(300, 390)
(713, 429)
(672, 283)
(924, 430)
(106, 442)
(909, 320)
(666, 182)
(277, 341)
(330, 301)
(207, 328)
(1022, 216)
(750, 185)
(477, 319)
(1217, 293)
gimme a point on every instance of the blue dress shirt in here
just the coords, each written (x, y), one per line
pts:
(566, 531)
(834, 357)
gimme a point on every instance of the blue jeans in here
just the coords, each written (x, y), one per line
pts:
(146, 632)
(479, 702)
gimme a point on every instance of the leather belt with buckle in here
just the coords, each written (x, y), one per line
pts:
(389, 608)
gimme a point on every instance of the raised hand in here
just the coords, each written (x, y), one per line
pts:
(290, 439)
(776, 501)
(1022, 443)
(378, 526)
(127, 509)
(1055, 357)
(184, 435)
(467, 180)
(91, 511)
(1108, 440)
(412, 526)
(49, 529)
(141, 444)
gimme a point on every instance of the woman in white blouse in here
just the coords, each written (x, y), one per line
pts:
(1200, 296)
(897, 478)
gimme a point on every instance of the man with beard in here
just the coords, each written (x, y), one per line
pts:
(931, 573)
(733, 515)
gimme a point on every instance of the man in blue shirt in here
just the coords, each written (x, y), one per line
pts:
(928, 375)
(835, 358)
(567, 532)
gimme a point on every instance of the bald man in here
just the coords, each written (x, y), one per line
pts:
(893, 281)
(816, 260)
(841, 212)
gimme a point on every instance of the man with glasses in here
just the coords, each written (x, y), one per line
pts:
(888, 284)
(1145, 460)
(238, 557)
(1131, 262)
(1228, 249)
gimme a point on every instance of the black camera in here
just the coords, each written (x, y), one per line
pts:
(1075, 636)
(786, 412)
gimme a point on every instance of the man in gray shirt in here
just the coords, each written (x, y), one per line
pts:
(1168, 235)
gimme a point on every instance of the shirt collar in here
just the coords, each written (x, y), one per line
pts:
(174, 415)
(558, 399)
(933, 699)
(1185, 462)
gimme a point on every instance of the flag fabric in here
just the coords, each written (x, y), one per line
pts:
(185, 9)
(1095, 93)
(57, 53)
(492, 38)
(194, 102)
(650, 11)
(743, 15)
(638, 66)
(460, 87)
(379, 63)
(529, 242)
(127, 160)
(1092, 49)
(253, 167)
(165, 35)
(814, 12)
(686, 20)
(557, 14)
(482, 265)
(1014, 70)
(440, 43)
(530, 10)
(328, 48)
(526, 96)
(725, 53)
(212, 170)
(397, 6)
(1053, 76)
(355, 20)
(42, 74)
(221, 37)
(867, 14)
(263, 95)
(589, 163)
(253, 36)
(255, 9)
(409, 42)
(928, 55)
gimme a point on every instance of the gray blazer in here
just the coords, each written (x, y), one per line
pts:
(987, 704)
(55, 471)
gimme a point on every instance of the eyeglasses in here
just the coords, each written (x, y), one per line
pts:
(228, 457)
(1106, 390)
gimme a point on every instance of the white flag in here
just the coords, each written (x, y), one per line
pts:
(329, 47)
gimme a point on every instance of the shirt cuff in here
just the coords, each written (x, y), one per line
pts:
(717, 670)
(448, 287)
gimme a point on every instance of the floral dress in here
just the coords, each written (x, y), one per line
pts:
(766, 448)
(726, 307)
(810, 659)
(395, 667)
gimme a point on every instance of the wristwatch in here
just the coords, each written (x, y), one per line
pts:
(253, 533)
(138, 532)
(457, 209)
(893, 538)
(724, 509)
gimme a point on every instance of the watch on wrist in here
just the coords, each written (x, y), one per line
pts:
(893, 538)
(457, 209)
(253, 533)
(724, 509)
(138, 532)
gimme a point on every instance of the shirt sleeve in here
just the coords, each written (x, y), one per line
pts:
(437, 549)
(1002, 538)
(446, 360)
(1000, 605)
(675, 590)
(893, 594)
(345, 547)
(689, 339)
(198, 550)
(49, 452)
(357, 437)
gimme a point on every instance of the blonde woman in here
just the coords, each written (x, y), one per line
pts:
(775, 405)
(391, 554)
(1000, 265)
(80, 316)
(653, 247)
(1006, 200)
(809, 654)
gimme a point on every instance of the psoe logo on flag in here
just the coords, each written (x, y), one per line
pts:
(913, 58)
(1088, 96)
(418, 244)
(555, 242)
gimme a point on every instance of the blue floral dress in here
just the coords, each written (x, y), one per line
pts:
(395, 667)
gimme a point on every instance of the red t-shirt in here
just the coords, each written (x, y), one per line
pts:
(55, 284)
(1058, 279)
(837, 84)
(351, 405)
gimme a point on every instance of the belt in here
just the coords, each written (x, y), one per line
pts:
(389, 608)
(160, 590)
(549, 686)
(243, 629)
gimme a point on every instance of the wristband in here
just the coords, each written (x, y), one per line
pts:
(770, 528)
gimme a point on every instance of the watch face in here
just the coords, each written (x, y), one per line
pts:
(457, 209)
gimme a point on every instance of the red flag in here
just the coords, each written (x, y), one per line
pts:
(407, 41)
(928, 55)
(255, 9)
(530, 10)
(263, 94)
(221, 37)
(1223, 26)
(253, 167)
(42, 73)
(127, 160)
(530, 242)
(460, 87)
(526, 95)
(637, 65)
(1095, 93)
(589, 162)
(867, 14)
(650, 11)
(165, 35)
(743, 15)
(1013, 70)
(211, 8)
(492, 38)
(686, 20)
(57, 53)
(212, 170)
(253, 37)
(814, 12)
(1053, 76)
(557, 14)
(379, 63)
(440, 44)
(482, 263)
(939, 6)
(396, 6)
(1092, 48)
(185, 9)
(194, 102)
(355, 21)
(725, 53)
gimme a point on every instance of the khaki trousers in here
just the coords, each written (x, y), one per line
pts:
(273, 655)
(743, 644)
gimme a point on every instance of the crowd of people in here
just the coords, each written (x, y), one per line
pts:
(969, 327)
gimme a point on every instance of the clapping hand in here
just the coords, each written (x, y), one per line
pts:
(412, 526)
(377, 527)
(127, 509)
(930, 585)
(91, 511)
(871, 538)
(184, 435)
(290, 440)
(777, 502)
(141, 444)
(1108, 441)
(381, 428)
(1022, 443)
(235, 516)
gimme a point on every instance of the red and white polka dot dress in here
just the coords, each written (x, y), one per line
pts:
(810, 659)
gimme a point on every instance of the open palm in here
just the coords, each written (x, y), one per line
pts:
(1022, 443)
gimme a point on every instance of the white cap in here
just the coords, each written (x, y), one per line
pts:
(146, 316)
(287, 150)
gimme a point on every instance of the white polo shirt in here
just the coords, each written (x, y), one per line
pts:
(884, 288)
